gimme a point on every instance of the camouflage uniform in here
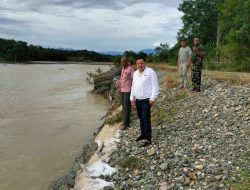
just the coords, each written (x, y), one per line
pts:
(196, 69)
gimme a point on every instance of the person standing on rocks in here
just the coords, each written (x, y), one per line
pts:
(144, 91)
(184, 62)
(125, 89)
(197, 59)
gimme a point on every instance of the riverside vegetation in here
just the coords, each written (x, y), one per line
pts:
(200, 141)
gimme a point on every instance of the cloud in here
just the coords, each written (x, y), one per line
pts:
(91, 24)
(108, 4)
(156, 44)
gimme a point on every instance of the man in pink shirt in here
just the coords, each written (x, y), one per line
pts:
(125, 89)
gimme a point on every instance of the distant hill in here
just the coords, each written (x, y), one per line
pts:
(148, 51)
(115, 53)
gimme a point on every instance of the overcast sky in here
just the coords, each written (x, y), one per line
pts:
(99, 25)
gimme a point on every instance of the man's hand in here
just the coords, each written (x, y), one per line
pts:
(195, 49)
(151, 102)
(117, 84)
(133, 103)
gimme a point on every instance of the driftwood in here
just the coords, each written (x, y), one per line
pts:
(103, 82)
(109, 75)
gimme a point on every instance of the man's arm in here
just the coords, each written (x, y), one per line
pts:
(132, 72)
(200, 52)
(178, 60)
(155, 87)
(132, 94)
(189, 57)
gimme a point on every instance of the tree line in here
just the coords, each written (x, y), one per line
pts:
(224, 29)
(14, 51)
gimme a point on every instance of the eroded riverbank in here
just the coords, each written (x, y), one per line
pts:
(200, 141)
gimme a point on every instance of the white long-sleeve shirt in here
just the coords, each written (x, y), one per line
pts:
(145, 85)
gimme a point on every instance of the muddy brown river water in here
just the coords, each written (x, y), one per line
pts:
(46, 114)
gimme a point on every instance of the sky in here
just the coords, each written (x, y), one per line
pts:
(99, 25)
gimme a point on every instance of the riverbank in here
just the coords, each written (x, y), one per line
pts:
(200, 141)
(60, 62)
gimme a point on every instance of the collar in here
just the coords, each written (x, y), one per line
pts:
(143, 70)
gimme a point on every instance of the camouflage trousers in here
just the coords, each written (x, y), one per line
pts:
(196, 76)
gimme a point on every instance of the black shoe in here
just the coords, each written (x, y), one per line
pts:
(144, 142)
(139, 138)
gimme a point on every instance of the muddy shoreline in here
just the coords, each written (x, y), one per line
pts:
(68, 181)
(58, 62)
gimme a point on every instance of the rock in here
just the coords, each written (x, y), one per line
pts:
(199, 167)
(191, 184)
(216, 115)
(136, 172)
(149, 187)
(192, 176)
(108, 188)
(218, 177)
(180, 179)
(163, 186)
(130, 183)
(198, 141)
(163, 166)
(187, 181)
(151, 151)
(158, 174)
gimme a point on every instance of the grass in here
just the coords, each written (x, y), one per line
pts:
(160, 116)
(172, 80)
(231, 77)
(177, 97)
(132, 162)
(243, 178)
(114, 120)
(243, 182)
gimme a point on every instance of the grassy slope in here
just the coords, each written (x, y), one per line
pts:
(232, 77)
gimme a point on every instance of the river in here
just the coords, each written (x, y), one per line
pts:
(46, 114)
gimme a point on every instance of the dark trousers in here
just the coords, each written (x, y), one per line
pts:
(196, 76)
(126, 107)
(144, 114)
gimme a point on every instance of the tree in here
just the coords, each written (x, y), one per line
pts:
(142, 55)
(200, 19)
(131, 55)
(235, 23)
(163, 51)
(20, 51)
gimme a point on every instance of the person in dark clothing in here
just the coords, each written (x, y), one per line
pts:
(125, 89)
(197, 62)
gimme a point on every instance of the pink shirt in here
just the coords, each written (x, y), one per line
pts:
(126, 78)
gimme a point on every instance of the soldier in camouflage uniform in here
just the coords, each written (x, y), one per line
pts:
(197, 58)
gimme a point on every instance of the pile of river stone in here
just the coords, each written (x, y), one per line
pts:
(203, 145)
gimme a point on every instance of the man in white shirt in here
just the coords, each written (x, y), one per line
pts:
(184, 62)
(144, 91)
